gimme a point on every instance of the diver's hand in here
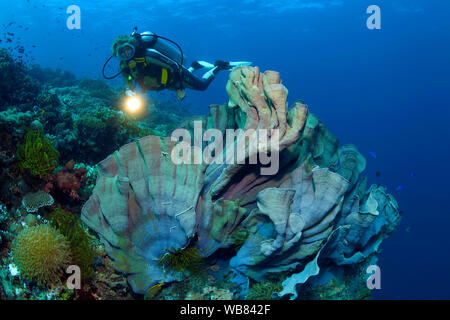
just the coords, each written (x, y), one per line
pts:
(181, 94)
(129, 93)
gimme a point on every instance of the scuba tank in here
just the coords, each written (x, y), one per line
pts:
(163, 45)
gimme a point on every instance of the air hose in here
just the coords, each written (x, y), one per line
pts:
(103, 70)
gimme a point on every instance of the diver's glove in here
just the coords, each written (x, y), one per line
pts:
(129, 93)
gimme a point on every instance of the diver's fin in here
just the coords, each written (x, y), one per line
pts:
(205, 64)
(197, 65)
(236, 64)
(225, 65)
(211, 73)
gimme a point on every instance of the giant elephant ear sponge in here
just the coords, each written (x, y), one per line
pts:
(37, 153)
(42, 254)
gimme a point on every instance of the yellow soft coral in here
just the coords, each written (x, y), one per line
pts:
(42, 253)
(37, 153)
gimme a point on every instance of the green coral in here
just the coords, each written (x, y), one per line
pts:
(263, 290)
(83, 252)
(37, 153)
(239, 236)
(187, 259)
(101, 132)
(94, 123)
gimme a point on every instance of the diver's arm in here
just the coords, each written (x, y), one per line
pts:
(128, 79)
(129, 84)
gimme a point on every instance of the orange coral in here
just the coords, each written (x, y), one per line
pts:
(42, 254)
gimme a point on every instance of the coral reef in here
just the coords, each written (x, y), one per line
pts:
(41, 254)
(306, 218)
(111, 127)
(108, 285)
(16, 85)
(14, 121)
(234, 228)
(82, 121)
(82, 117)
(50, 77)
(4, 216)
(214, 293)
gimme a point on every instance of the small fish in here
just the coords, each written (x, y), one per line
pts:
(42, 112)
(153, 291)
(378, 174)
(373, 154)
(400, 212)
(408, 229)
(400, 187)
(412, 174)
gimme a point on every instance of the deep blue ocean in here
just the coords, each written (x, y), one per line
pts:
(386, 91)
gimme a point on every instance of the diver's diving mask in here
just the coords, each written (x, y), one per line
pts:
(125, 52)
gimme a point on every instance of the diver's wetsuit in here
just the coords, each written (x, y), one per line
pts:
(154, 70)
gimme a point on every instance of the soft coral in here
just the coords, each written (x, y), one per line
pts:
(69, 180)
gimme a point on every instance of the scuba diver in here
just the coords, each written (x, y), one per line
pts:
(156, 63)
